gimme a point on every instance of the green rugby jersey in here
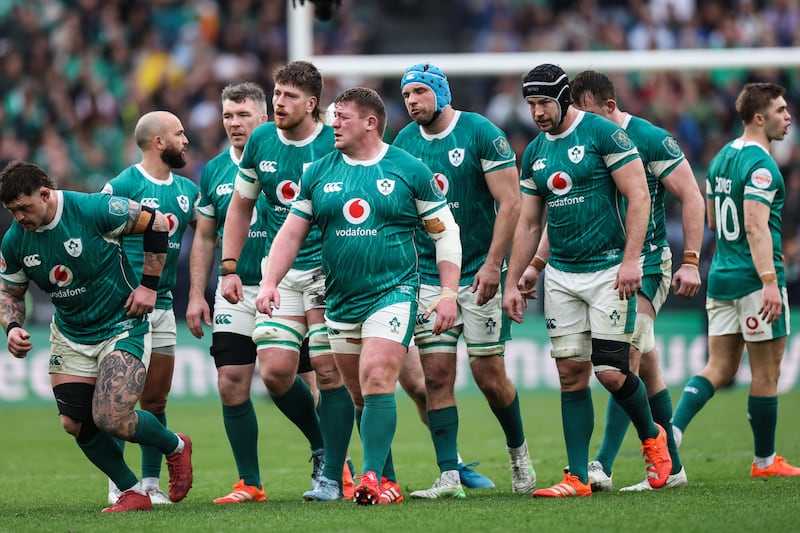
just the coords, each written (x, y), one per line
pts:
(216, 188)
(742, 171)
(368, 212)
(77, 260)
(571, 171)
(660, 155)
(277, 163)
(176, 197)
(463, 158)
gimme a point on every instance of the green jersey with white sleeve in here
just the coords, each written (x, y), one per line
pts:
(278, 163)
(463, 158)
(176, 197)
(77, 260)
(742, 171)
(216, 190)
(571, 171)
(369, 213)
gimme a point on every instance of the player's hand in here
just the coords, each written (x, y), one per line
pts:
(527, 283)
(197, 313)
(446, 308)
(686, 281)
(141, 301)
(629, 279)
(232, 288)
(486, 283)
(268, 299)
(513, 302)
(19, 343)
(771, 303)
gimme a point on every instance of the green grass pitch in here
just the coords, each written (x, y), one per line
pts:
(46, 484)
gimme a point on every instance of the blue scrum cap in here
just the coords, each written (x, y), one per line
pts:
(548, 81)
(433, 77)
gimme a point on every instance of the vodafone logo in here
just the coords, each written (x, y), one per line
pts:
(254, 216)
(560, 183)
(3, 265)
(751, 322)
(356, 211)
(60, 275)
(173, 223)
(287, 191)
(442, 182)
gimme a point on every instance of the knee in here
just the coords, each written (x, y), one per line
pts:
(233, 388)
(74, 402)
(416, 390)
(326, 371)
(70, 425)
(612, 380)
(278, 372)
(154, 401)
(571, 381)
(489, 373)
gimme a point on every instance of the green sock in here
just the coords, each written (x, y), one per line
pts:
(763, 414)
(577, 419)
(388, 467)
(152, 456)
(510, 420)
(661, 407)
(443, 425)
(106, 455)
(616, 426)
(378, 424)
(241, 426)
(695, 395)
(632, 397)
(336, 422)
(298, 406)
(153, 433)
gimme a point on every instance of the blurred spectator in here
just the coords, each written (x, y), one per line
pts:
(75, 75)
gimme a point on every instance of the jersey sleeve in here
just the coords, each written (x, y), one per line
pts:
(762, 182)
(664, 154)
(247, 182)
(205, 204)
(11, 271)
(429, 195)
(495, 149)
(302, 206)
(614, 145)
(110, 213)
(526, 182)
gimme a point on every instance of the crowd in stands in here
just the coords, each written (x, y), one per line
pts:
(76, 74)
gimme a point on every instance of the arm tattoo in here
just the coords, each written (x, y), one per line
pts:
(12, 303)
(133, 219)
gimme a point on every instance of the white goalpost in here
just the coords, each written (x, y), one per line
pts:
(300, 37)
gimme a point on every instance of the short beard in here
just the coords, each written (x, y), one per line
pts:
(173, 158)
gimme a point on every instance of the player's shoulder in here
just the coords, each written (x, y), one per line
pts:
(409, 131)
(653, 138)
(399, 156)
(219, 163)
(124, 179)
(605, 133)
(326, 133)
(263, 130)
(471, 119)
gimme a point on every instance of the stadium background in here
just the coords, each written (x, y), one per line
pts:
(75, 76)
